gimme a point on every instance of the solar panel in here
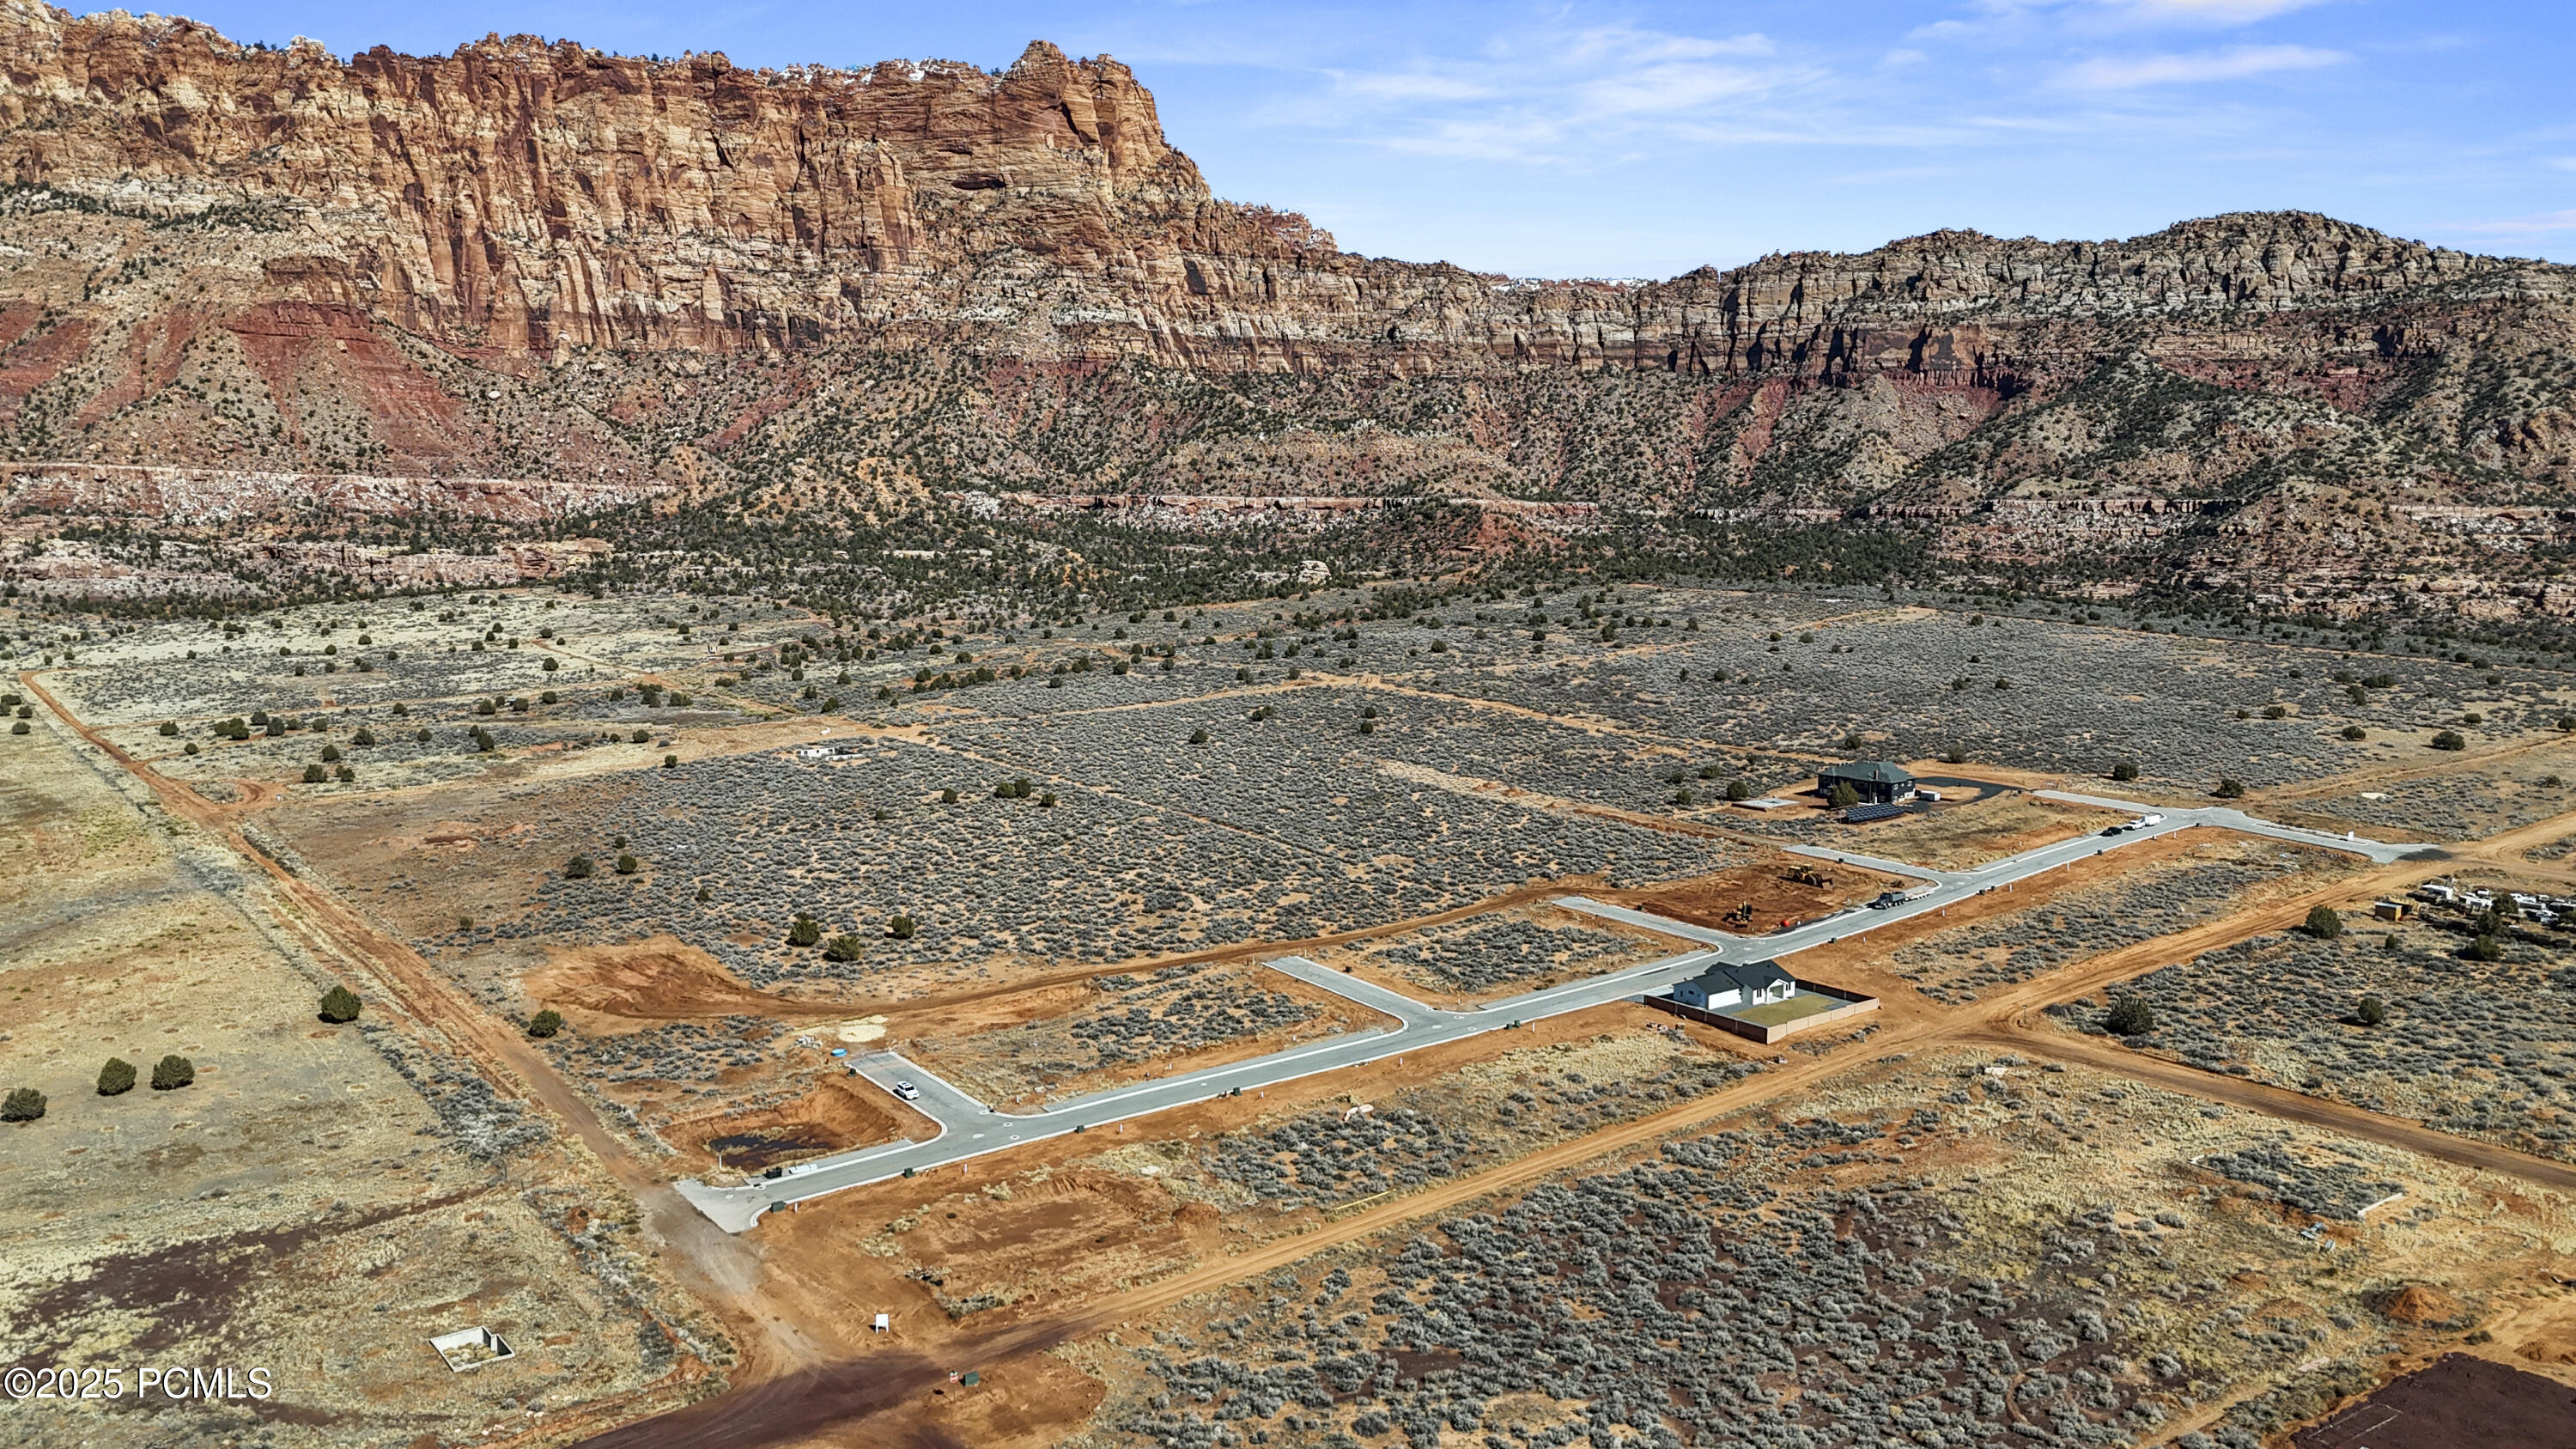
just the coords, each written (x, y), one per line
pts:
(1863, 814)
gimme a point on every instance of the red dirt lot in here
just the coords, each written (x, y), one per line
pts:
(1765, 884)
(2458, 1403)
(834, 1117)
(612, 988)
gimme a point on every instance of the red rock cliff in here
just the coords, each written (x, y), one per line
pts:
(520, 197)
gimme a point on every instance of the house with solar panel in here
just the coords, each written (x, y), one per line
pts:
(1876, 782)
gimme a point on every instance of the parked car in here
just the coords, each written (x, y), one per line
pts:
(907, 1091)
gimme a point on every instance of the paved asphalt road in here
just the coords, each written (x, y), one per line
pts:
(969, 1129)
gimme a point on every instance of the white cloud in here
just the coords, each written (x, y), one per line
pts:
(2542, 224)
(2113, 73)
(1556, 94)
(1412, 86)
(2209, 12)
(2149, 12)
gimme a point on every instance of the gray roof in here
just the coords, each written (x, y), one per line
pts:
(1751, 976)
(1753, 971)
(1877, 772)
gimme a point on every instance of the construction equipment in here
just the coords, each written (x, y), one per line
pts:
(1808, 875)
(1742, 915)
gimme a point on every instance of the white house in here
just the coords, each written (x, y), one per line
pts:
(1722, 987)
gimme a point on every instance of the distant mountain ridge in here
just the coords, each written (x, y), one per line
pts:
(858, 288)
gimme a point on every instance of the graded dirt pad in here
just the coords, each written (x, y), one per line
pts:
(1963, 837)
(1766, 886)
(610, 988)
(2416, 1303)
(840, 1114)
(2459, 1403)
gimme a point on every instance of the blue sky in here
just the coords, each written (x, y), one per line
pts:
(1579, 139)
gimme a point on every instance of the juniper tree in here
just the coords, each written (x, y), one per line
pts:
(2130, 1016)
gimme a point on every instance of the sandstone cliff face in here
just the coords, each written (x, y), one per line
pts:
(528, 197)
(524, 198)
(606, 277)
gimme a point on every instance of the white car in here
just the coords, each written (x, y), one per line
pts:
(907, 1091)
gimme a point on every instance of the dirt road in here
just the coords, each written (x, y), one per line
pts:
(721, 1269)
(2284, 1104)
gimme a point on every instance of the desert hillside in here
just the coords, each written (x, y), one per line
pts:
(592, 278)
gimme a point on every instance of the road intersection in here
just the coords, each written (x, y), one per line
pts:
(968, 1129)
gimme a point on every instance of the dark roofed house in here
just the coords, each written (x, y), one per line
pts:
(1722, 987)
(1876, 782)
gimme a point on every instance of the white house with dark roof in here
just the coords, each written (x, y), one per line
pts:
(1723, 987)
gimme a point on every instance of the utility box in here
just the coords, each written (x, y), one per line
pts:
(471, 1348)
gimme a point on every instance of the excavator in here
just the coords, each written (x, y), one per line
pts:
(1742, 915)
